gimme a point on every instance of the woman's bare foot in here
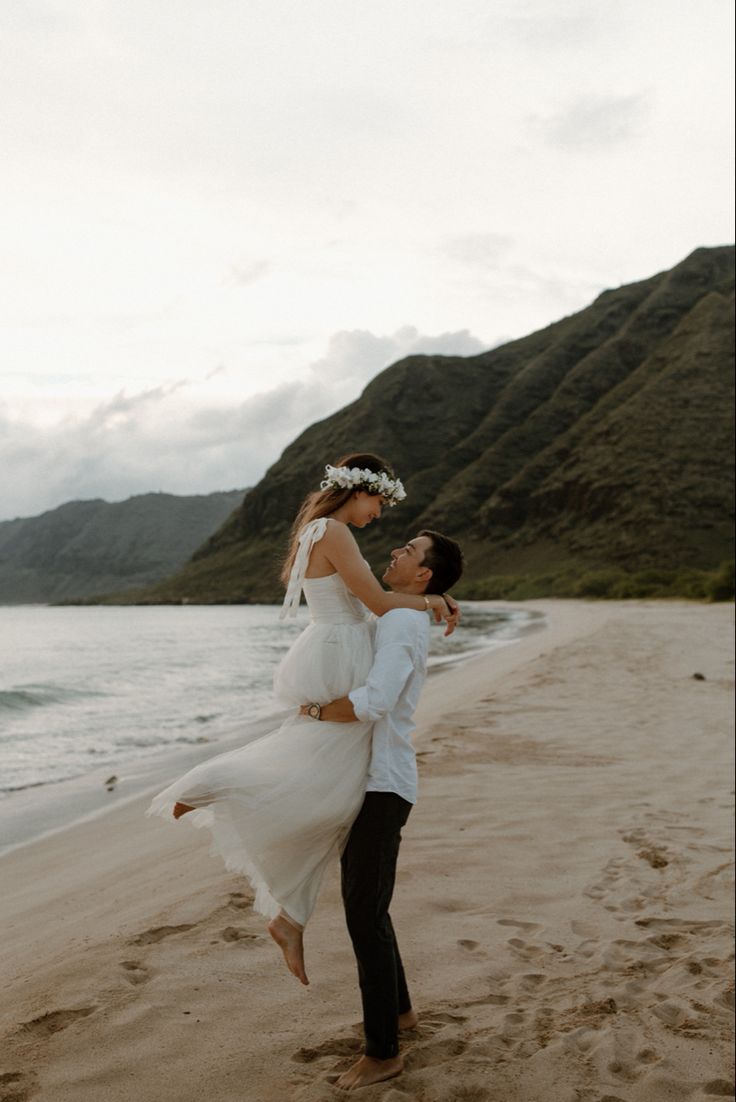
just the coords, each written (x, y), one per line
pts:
(181, 809)
(367, 1071)
(408, 1020)
(291, 944)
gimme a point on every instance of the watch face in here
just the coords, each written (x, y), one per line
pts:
(314, 711)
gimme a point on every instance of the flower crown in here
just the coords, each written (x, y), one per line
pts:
(353, 478)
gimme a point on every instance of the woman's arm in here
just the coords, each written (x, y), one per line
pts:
(342, 552)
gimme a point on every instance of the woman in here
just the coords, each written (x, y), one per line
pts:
(279, 808)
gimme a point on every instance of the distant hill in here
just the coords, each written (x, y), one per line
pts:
(85, 548)
(600, 447)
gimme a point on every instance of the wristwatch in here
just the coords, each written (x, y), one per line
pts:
(314, 711)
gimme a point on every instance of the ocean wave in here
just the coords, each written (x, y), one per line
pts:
(6, 789)
(38, 696)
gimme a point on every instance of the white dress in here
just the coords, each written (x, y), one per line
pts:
(280, 808)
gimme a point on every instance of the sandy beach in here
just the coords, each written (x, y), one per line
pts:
(563, 904)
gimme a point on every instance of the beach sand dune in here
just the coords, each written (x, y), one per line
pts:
(564, 904)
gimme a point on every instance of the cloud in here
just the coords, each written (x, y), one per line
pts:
(182, 438)
(357, 355)
(486, 265)
(566, 28)
(483, 250)
(242, 275)
(595, 122)
(123, 411)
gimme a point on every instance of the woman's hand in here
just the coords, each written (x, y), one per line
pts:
(444, 608)
(455, 613)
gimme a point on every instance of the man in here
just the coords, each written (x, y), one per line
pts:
(429, 563)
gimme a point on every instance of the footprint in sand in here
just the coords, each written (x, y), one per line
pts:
(588, 948)
(135, 972)
(612, 872)
(579, 1039)
(434, 1020)
(620, 871)
(337, 1046)
(513, 1022)
(668, 942)
(54, 1021)
(726, 999)
(491, 999)
(158, 933)
(430, 1022)
(584, 929)
(686, 925)
(449, 906)
(525, 950)
(239, 900)
(469, 945)
(518, 924)
(706, 883)
(532, 981)
(670, 1013)
(632, 903)
(435, 1051)
(468, 1091)
(654, 857)
(237, 933)
(18, 1086)
(654, 854)
(544, 1022)
(720, 1088)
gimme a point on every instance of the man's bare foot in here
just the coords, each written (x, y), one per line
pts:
(367, 1071)
(181, 809)
(409, 1020)
(291, 944)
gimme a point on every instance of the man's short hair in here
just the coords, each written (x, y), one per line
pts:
(445, 559)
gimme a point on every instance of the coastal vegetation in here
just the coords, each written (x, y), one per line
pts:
(613, 582)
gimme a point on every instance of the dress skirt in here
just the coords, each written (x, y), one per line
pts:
(280, 808)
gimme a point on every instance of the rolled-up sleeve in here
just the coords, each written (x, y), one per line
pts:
(392, 668)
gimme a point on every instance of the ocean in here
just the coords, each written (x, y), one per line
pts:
(89, 691)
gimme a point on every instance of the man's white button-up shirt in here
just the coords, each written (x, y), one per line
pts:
(389, 699)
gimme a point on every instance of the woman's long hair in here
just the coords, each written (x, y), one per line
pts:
(323, 503)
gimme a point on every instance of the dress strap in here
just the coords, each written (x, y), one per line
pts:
(310, 534)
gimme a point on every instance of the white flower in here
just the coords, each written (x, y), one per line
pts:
(374, 481)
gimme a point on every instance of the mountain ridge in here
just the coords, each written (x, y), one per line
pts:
(85, 548)
(600, 443)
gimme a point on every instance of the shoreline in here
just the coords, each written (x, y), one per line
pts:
(38, 810)
(562, 902)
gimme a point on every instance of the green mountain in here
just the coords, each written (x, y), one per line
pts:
(85, 548)
(600, 447)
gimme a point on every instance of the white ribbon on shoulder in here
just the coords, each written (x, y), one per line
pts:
(310, 534)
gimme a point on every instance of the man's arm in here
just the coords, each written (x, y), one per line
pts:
(337, 711)
(392, 666)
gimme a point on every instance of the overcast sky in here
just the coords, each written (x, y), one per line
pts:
(220, 219)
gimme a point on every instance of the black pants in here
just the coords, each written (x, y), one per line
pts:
(368, 873)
